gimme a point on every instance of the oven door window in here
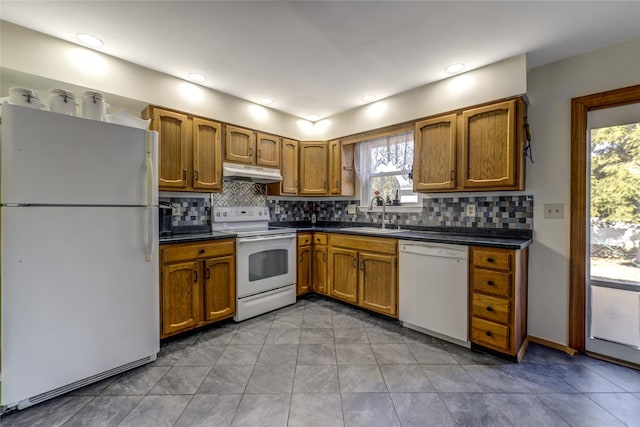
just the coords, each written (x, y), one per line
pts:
(269, 263)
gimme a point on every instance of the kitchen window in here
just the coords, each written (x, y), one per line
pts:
(384, 165)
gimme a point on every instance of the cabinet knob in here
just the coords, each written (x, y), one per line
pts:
(489, 309)
(490, 283)
(488, 333)
(490, 260)
(201, 251)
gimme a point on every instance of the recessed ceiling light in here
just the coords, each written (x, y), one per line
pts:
(313, 117)
(266, 101)
(89, 40)
(455, 68)
(197, 77)
(369, 98)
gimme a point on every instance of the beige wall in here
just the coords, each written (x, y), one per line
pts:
(40, 62)
(550, 89)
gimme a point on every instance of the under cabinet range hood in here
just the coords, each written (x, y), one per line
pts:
(251, 173)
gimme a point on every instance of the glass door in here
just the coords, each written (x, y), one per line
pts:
(613, 288)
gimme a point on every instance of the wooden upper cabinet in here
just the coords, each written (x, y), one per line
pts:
(341, 170)
(434, 165)
(173, 133)
(335, 167)
(207, 155)
(239, 145)
(313, 168)
(489, 142)
(289, 168)
(267, 150)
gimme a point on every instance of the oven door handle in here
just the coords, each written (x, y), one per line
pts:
(265, 238)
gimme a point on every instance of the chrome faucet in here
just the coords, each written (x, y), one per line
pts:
(384, 210)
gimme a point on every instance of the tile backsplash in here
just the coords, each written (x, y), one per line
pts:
(491, 212)
(505, 212)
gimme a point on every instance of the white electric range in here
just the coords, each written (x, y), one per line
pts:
(265, 259)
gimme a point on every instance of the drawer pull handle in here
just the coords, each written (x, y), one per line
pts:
(489, 259)
(201, 251)
(490, 283)
(488, 333)
(489, 309)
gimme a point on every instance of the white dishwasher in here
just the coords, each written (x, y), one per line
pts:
(434, 289)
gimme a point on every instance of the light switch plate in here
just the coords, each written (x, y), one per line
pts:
(470, 210)
(276, 209)
(351, 209)
(176, 210)
(554, 210)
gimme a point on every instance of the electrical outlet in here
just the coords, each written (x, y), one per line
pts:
(351, 209)
(276, 209)
(470, 210)
(175, 210)
(554, 210)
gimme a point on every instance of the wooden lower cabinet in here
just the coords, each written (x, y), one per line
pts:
(364, 271)
(498, 299)
(344, 274)
(303, 267)
(197, 285)
(319, 262)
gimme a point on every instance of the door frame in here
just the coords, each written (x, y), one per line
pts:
(580, 108)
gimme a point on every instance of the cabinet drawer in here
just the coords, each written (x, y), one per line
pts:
(493, 258)
(304, 239)
(491, 282)
(187, 251)
(319, 239)
(490, 334)
(370, 244)
(491, 308)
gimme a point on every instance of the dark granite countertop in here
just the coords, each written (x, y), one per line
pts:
(496, 238)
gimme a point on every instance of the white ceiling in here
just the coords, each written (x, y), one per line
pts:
(317, 57)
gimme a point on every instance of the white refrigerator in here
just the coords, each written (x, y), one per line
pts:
(79, 252)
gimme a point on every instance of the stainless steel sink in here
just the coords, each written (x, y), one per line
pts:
(372, 230)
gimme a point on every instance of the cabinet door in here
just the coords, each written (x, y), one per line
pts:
(335, 167)
(348, 172)
(313, 168)
(434, 156)
(239, 145)
(207, 155)
(289, 167)
(489, 145)
(267, 150)
(219, 288)
(181, 300)
(319, 269)
(172, 151)
(343, 276)
(378, 283)
(304, 269)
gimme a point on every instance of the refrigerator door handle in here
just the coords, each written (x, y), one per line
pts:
(149, 201)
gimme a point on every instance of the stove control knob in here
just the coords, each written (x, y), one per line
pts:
(218, 214)
(259, 213)
(224, 213)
